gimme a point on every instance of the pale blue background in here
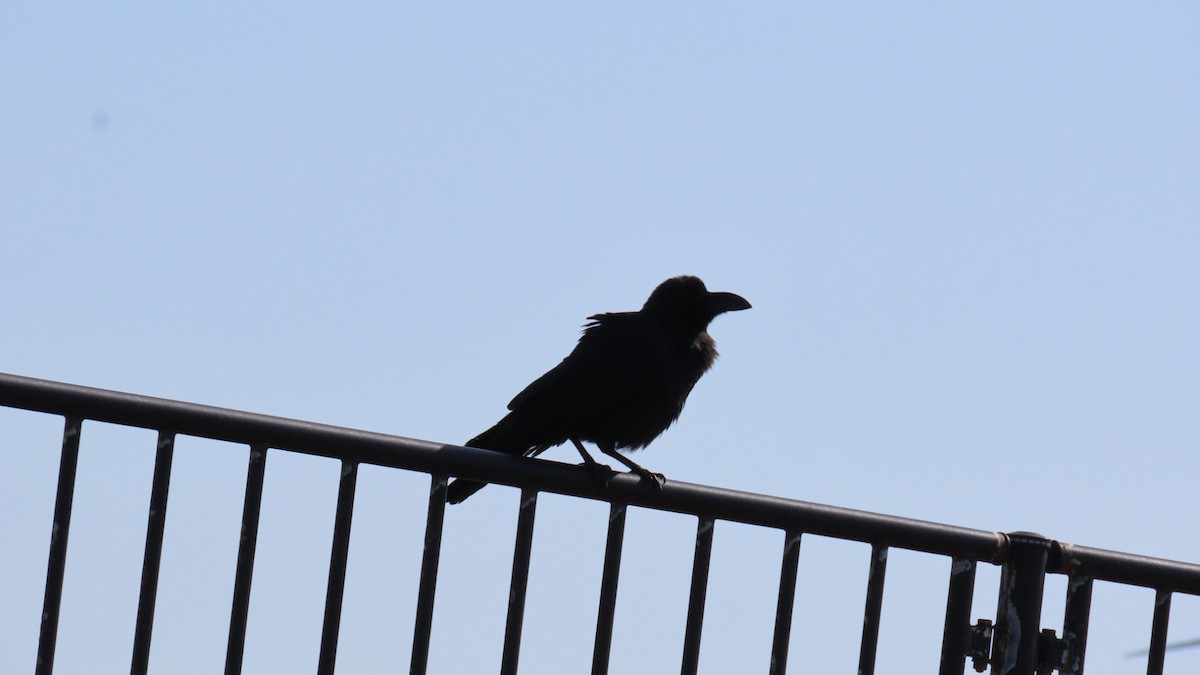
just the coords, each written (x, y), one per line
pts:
(970, 232)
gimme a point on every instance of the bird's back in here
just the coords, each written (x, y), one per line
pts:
(623, 384)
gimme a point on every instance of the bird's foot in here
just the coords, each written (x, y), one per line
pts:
(600, 472)
(657, 480)
(596, 466)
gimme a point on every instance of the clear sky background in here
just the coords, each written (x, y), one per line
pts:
(970, 232)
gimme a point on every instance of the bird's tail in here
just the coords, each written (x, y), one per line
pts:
(460, 489)
(499, 439)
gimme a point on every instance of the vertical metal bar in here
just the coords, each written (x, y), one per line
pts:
(337, 568)
(427, 587)
(695, 615)
(956, 636)
(608, 589)
(59, 531)
(874, 605)
(1158, 633)
(522, 548)
(785, 602)
(156, 522)
(1019, 610)
(1075, 622)
(248, 540)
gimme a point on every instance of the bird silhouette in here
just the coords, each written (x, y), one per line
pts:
(625, 382)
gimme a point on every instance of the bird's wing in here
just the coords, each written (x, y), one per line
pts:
(615, 352)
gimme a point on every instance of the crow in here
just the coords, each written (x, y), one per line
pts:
(624, 383)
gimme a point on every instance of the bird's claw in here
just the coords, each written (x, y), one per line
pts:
(600, 472)
(657, 480)
(597, 467)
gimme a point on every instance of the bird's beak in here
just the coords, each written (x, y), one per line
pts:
(726, 302)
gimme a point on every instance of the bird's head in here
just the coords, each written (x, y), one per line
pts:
(686, 303)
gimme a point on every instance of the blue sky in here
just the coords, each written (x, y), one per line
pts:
(970, 234)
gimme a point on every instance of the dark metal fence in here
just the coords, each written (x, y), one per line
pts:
(1013, 645)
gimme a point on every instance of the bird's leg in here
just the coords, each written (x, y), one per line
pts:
(657, 479)
(589, 462)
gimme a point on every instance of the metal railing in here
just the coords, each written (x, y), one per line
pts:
(1012, 646)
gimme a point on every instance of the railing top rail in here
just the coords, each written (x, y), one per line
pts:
(1126, 568)
(405, 453)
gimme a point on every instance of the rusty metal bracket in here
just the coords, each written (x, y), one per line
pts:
(979, 645)
(1052, 652)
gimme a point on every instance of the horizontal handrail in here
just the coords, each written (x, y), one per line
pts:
(676, 496)
(1127, 568)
